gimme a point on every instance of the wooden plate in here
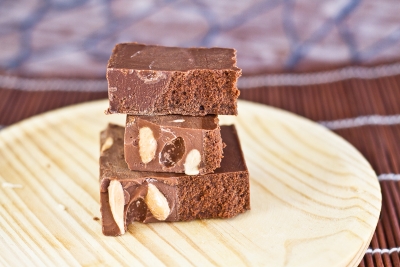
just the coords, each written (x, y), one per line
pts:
(315, 200)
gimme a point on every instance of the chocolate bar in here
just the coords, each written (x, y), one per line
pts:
(173, 143)
(158, 80)
(127, 196)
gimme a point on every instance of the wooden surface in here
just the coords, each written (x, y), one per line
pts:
(315, 200)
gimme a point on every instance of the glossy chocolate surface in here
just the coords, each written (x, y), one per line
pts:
(162, 58)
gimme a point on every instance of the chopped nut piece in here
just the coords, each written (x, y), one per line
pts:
(147, 144)
(192, 162)
(117, 202)
(157, 203)
(107, 144)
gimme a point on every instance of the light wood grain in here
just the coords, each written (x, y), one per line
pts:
(315, 200)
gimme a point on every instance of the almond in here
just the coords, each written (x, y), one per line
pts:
(157, 203)
(107, 144)
(147, 144)
(117, 202)
(192, 162)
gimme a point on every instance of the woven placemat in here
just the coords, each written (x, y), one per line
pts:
(364, 111)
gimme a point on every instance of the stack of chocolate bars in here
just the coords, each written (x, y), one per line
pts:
(172, 161)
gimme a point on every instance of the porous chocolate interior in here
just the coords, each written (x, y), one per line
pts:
(157, 80)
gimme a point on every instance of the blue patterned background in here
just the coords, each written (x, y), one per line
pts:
(75, 38)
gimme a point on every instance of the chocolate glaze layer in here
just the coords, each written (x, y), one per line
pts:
(176, 136)
(162, 58)
(222, 194)
(158, 80)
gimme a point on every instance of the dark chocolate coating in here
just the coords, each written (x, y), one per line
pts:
(222, 194)
(158, 80)
(176, 136)
(162, 58)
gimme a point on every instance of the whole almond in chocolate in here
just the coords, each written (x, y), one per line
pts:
(159, 80)
(173, 143)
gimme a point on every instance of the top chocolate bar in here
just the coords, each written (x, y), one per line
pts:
(158, 80)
